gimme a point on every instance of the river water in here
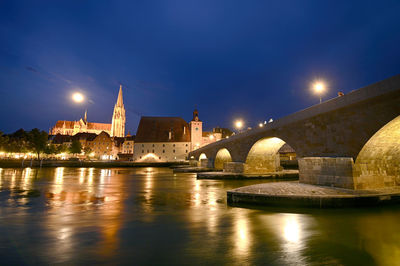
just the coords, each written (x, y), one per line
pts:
(147, 216)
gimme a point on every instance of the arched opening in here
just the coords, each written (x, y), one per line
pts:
(264, 156)
(203, 161)
(378, 163)
(223, 156)
(202, 156)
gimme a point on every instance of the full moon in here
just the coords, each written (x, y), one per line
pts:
(77, 97)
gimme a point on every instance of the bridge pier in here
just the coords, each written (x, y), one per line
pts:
(234, 167)
(207, 163)
(327, 171)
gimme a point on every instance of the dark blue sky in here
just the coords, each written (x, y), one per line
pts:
(248, 59)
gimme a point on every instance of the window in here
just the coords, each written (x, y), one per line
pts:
(142, 145)
(173, 145)
(186, 145)
(186, 151)
(173, 151)
(163, 145)
(153, 145)
(153, 151)
(159, 157)
(147, 151)
(142, 151)
(197, 128)
(163, 151)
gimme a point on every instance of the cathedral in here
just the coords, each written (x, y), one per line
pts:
(115, 129)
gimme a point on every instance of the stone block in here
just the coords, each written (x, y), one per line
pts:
(234, 167)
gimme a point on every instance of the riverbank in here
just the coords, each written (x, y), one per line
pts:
(194, 170)
(285, 174)
(295, 194)
(95, 164)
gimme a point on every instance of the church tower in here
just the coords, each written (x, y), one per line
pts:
(196, 131)
(118, 119)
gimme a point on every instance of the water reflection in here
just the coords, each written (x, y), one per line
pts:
(123, 216)
(242, 237)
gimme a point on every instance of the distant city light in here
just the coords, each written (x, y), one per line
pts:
(270, 120)
(260, 124)
(78, 97)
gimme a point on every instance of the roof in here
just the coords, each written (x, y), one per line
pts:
(286, 149)
(129, 137)
(95, 126)
(85, 136)
(60, 139)
(99, 126)
(157, 129)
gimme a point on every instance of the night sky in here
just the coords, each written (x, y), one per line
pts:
(249, 59)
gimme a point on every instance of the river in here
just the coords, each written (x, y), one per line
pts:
(148, 216)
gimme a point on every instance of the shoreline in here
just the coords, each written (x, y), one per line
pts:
(78, 164)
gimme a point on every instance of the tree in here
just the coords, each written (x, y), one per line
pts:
(3, 141)
(50, 149)
(37, 141)
(62, 149)
(17, 142)
(76, 147)
(87, 150)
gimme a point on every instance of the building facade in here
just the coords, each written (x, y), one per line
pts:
(161, 139)
(170, 139)
(116, 128)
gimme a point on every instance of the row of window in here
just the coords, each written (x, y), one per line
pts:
(163, 151)
(154, 145)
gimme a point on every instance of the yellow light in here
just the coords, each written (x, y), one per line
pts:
(239, 124)
(319, 87)
(211, 137)
(261, 125)
(77, 97)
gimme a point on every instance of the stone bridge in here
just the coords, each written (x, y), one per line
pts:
(351, 141)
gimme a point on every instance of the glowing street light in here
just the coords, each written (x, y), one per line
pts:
(319, 88)
(78, 97)
(239, 124)
(260, 124)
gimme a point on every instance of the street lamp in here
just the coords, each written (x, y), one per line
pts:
(239, 124)
(319, 88)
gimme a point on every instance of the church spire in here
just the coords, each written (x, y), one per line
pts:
(118, 119)
(119, 100)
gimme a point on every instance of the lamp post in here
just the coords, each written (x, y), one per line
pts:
(319, 88)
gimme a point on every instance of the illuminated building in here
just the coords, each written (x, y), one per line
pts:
(116, 128)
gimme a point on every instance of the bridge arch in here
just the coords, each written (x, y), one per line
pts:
(202, 156)
(222, 156)
(263, 156)
(378, 162)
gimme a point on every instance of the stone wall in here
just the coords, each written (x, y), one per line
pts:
(327, 171)
(233, 167)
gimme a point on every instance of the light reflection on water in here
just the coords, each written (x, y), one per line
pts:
(88, 215)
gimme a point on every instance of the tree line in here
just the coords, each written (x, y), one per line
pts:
(35, 141)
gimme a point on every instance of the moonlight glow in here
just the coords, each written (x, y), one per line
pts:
(77, 97)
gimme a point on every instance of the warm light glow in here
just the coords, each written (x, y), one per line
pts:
(211, 137)
(319, 87)
(239, 124)
(260, 124)
(77, 97)
(291, 230)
